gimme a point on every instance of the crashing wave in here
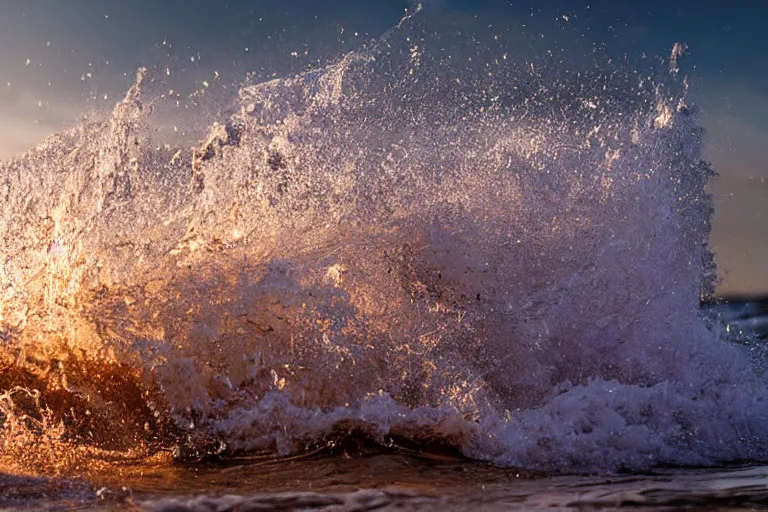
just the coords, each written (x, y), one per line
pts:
(504, 256)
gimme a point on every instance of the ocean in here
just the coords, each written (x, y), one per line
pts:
(429, 275)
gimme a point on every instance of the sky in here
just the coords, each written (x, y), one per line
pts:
(61, 60)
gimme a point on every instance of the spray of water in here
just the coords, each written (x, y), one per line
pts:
(446, 246)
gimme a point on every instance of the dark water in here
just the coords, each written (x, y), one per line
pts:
(396, 480)
(421, 271)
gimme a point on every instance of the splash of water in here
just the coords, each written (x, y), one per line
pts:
(506, 257)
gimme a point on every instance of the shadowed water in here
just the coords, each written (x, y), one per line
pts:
(397, 480)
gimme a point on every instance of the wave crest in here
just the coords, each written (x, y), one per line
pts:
(506, 256)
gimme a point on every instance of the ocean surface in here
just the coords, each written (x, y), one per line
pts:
(428, 275)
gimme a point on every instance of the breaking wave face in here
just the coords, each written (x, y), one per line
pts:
(449, 247)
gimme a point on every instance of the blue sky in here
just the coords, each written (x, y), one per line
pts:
(60, 59)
